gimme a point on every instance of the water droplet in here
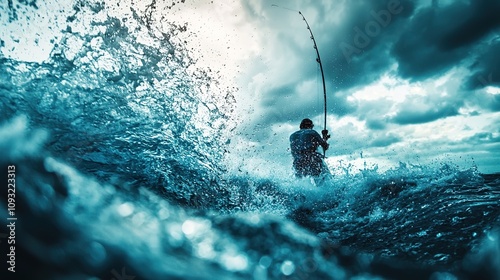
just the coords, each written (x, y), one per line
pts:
(163, 214)
(265, 261)
(235, 262)
(195, 228)
(189, 227)
(287, 268)
(125, 209)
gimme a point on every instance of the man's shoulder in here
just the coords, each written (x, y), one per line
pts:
(305, 131)
(310, 132)
(298, 132)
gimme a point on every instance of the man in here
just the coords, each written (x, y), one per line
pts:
(303, 144)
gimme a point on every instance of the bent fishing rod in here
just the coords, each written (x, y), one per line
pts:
(324, 132)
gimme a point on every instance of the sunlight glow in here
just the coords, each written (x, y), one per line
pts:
(388, 88)
(493, 90)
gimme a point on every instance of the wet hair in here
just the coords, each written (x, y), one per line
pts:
(306, 123)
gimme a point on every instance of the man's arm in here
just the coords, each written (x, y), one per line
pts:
(324, 144)
(325, 138)
(320, 141)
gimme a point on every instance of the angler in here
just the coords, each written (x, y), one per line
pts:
(304, 143)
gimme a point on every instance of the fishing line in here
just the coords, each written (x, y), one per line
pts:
(274, 5)
(324, 132)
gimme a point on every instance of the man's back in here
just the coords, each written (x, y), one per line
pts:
(303, 145)
(304, 141)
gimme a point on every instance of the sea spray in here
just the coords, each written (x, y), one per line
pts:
(123, 99)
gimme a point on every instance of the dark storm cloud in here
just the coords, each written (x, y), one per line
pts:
(361, 40)
(472, 22)
(359, 47)
(385, 140)
(486, 67)
(490, 102)
(439, 38)
(483, 138)
(411, 116)
(423, 41)
(376, 124)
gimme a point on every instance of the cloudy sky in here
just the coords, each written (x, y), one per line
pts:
(412, 81)
(407, 81)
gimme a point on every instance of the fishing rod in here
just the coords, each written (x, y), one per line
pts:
(324, 132)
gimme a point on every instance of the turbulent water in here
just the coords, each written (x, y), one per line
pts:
(113, 158)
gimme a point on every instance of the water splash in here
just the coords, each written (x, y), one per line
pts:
(125, 101)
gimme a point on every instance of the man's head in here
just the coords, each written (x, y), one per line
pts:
(306, 123)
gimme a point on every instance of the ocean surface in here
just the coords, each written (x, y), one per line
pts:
(112, 167)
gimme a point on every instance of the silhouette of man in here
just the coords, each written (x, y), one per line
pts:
(303, 144)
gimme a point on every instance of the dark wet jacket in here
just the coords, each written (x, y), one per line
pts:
(303, 144)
